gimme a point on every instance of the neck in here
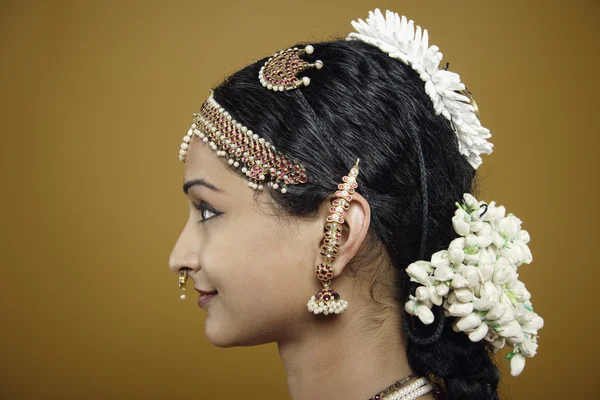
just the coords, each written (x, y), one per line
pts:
(347, 356)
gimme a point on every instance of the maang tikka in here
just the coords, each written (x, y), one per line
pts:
(327, 300)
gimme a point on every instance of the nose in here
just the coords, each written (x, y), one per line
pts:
(185, 253)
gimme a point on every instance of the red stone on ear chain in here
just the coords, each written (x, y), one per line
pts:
(328, 301)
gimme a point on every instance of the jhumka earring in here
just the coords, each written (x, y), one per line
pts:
(182, 280)
(327, 300)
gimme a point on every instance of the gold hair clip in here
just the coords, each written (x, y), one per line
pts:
(279, 72)
(258, 159)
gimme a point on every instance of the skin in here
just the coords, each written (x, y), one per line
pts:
(262, 266)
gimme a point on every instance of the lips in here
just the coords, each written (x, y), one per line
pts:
(206, 292)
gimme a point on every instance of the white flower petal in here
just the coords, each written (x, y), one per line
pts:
(425, 314)
(517, 363)
(479, 333)
(471, 321)
(460, 226)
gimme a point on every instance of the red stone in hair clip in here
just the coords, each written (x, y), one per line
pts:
(279, 72)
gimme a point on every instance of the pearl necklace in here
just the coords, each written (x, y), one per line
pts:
(397, 391)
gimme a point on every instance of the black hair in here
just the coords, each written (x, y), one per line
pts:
(365, 104)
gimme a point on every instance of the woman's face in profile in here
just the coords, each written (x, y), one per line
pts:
(260, 264)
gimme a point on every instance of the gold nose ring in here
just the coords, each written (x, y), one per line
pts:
(182, 280)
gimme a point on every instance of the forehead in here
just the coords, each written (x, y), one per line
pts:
(203, 163)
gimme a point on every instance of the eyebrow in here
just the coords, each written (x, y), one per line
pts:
(201, 182)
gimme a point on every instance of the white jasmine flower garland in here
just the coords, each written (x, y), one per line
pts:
(476, 281)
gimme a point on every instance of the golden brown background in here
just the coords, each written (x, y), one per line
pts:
(96, 96)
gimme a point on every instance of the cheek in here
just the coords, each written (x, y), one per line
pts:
(263, 270)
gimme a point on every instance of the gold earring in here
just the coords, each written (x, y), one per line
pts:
(182, 280)
(327, 300)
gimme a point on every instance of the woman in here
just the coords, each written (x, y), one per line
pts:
(351, 156)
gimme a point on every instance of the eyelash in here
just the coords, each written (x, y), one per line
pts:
(204, 206)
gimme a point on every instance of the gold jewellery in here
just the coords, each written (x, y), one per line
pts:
(257, 158)
(182, 280)
(279, 72)
(327, 300)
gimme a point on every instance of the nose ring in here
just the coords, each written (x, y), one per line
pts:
(182, 280)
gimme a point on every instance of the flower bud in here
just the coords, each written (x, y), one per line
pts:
(464, 295)
(536, 324)
(471, 240)
(502, 273)
(484, 241)
(472, 275)
(459, 281)
(442, 289)
(440, 259)
(471, 321)
(486, 231)
(526, 256)
(517, 363)
(511, 330)
(434, 297)
(443, 273)
(523, 236)
(460, 226)
(479, 333)
(510, 226)
(410, 307)
(422, 293)
(458, 243)
(477, 226)
(456, 256)
(495, 312)
(512, 254)
(528, 348)
(417, 273)
(470, 201)
(497, 240)
(425, 314)
(460, 309)
(498, 343)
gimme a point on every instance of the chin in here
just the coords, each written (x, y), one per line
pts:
(222, 336)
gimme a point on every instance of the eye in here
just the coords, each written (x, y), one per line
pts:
(206, 211)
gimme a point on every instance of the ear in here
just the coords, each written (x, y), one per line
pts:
(354, 231)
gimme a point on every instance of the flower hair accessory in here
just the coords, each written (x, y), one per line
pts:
(399, 39)
(476, 280)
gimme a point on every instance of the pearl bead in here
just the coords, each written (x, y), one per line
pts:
(306, 80)
(182, 297)
(309, 49)
(319, 64)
